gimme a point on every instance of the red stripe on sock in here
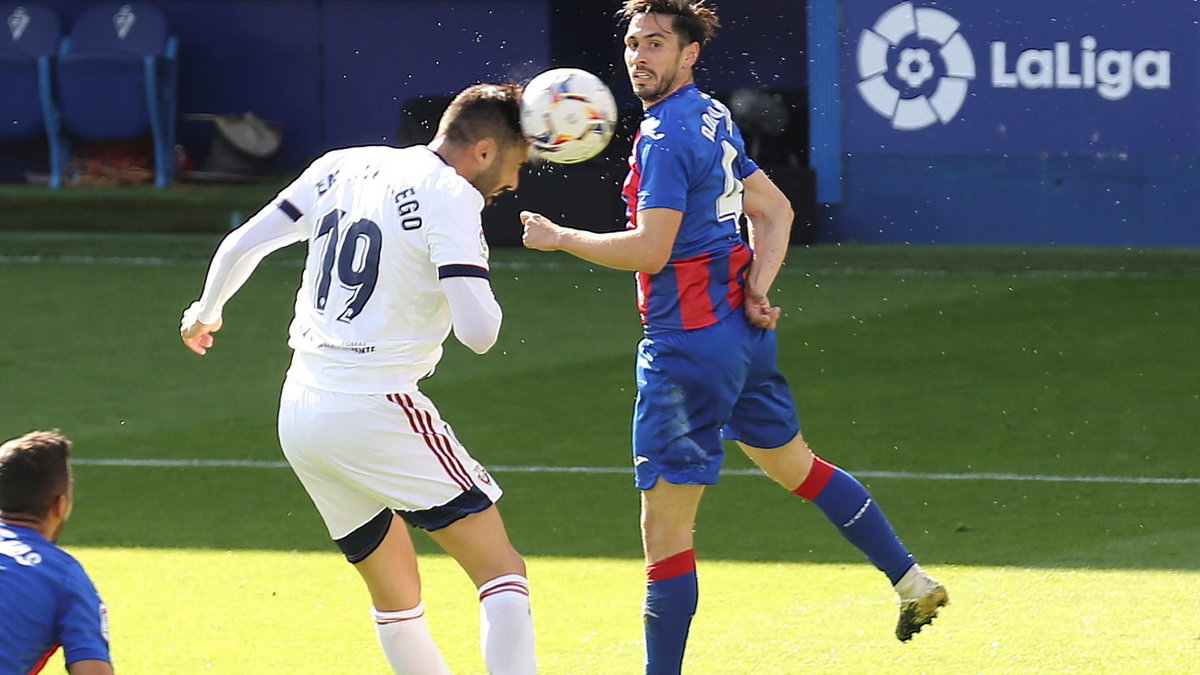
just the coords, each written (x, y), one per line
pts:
(390, 621)
(675, 566)
(818, 478)
(510, 587)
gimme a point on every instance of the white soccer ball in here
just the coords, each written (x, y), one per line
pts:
(568, 115)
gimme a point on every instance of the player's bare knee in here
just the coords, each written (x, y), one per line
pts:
(508, 562)
(483, 566)
(513, 564)
(664, 537)
(788, 465)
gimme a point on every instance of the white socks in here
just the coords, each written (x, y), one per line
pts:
(506, 626)
(505, 633)
(914, 584)
(407, 643)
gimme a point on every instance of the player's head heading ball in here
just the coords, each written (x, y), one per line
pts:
(34, 474)
(484, 111)
(692, 20)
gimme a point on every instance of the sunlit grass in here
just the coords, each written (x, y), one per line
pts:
(189, 611)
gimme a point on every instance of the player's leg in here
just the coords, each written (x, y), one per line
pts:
(843, 500)
(447, 493)
(857, 516)
(672, 593)
(481, 546)
(315, 428)
(687, 384)
(765, 425)
(390, 573)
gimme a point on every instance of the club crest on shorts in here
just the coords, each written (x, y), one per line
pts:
(482, 474)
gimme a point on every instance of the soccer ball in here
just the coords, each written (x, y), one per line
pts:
(568, 115)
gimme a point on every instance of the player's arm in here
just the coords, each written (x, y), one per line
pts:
(90, 667)
(646, 248)
(82, 626)
(236, 258)
(474, 312)
(770, 215)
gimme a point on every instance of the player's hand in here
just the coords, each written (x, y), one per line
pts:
(541, 234)
(197, 335)
(759, 311)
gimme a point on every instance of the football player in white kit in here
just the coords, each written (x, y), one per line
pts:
(396, 260)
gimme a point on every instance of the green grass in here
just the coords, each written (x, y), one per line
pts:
(180, 208)
(1052, 362)
(194, 611)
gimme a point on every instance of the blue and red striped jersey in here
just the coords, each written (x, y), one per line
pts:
(688, 156)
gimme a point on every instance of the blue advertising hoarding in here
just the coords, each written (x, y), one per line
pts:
(1022, 77)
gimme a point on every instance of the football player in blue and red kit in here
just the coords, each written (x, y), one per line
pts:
(47, 601)
(706, 367)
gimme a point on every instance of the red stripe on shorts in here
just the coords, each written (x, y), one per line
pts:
(446, 449)
(421, 423)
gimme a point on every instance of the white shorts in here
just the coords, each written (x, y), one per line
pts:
(357, 454)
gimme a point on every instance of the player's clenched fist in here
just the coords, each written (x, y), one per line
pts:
(541, 234)
(759, 310)
(196, 334)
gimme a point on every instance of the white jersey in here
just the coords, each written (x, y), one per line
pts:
(383, 225)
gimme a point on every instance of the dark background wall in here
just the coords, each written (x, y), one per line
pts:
(1015, 165)
(337, 72)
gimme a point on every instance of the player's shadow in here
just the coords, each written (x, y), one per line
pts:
(595, 514)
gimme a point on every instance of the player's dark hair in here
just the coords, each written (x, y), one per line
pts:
(693, 20)
(33, 473)
(484, 111)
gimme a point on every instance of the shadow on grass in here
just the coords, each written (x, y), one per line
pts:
(744, 518)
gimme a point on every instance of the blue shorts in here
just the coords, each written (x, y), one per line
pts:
(698, 388)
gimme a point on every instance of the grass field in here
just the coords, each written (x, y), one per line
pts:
(1026, 417)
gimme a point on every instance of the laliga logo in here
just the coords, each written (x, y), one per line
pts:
(920, 89)
(914, 67)
(1111, 72)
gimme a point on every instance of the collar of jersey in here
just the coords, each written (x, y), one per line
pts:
(678, 92)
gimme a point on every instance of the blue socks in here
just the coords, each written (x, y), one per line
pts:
(672, 591)
(671, 596)
(848, 505)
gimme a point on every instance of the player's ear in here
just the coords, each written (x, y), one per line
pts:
(485, 151)
(691, 54)
(61, 507)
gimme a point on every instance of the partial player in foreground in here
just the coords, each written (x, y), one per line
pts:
(396, 260)
(706, 367)
(47, 601)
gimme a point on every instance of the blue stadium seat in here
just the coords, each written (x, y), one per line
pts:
(27, 108)
(116, 77)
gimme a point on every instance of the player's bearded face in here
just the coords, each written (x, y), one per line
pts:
(653, 57)
(650, 86)
(503, 174)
